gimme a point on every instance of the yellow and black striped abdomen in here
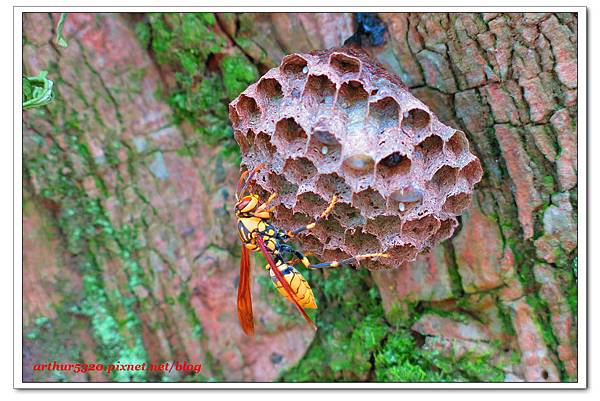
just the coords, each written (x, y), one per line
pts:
(298, 283)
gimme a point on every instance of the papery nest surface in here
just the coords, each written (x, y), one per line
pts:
(336, 123)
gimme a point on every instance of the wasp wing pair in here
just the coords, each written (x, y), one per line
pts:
(244, 301)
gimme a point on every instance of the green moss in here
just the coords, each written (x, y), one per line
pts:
(401, 314)
(571, 291)
(351, 326)
(185, 152)
(451, 314)
(477, 368)
(142, 31)
(47, 337)
(238, 73)
(40, 323)
(506, 319)
(397, 361)
(355, 342)
(401, 360)
(548, 184)
(252, 39)
(542, 320)
(193, 320)
(185, 43)
(92, 241)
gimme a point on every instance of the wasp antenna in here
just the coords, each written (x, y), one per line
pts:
(250, 176)
(239, 185)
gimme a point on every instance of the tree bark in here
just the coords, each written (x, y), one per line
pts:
(130, 247)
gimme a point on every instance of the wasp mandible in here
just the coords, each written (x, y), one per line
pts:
(257, 233)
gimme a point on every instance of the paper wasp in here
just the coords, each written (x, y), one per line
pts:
(257, 232)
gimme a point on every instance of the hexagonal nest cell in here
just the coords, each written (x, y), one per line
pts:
(334, 122)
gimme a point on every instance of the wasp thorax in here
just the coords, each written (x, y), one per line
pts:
(336, 123)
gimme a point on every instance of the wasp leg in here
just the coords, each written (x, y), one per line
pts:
(349, 261)
(293, 233)
(301, 258)
(266, 204)
(293, 262)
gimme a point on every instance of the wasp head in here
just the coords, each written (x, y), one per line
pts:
(246, 205)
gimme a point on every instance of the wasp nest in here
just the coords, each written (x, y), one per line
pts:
(334, 122)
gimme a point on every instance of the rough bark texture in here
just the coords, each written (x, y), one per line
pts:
(130, 249)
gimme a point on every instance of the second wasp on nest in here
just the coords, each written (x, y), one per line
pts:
(334, 123)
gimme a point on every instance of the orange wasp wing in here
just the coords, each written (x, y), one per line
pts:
(244, 300)
(281, 279)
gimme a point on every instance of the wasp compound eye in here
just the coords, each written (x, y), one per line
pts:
(241, 205)
(334, 122)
